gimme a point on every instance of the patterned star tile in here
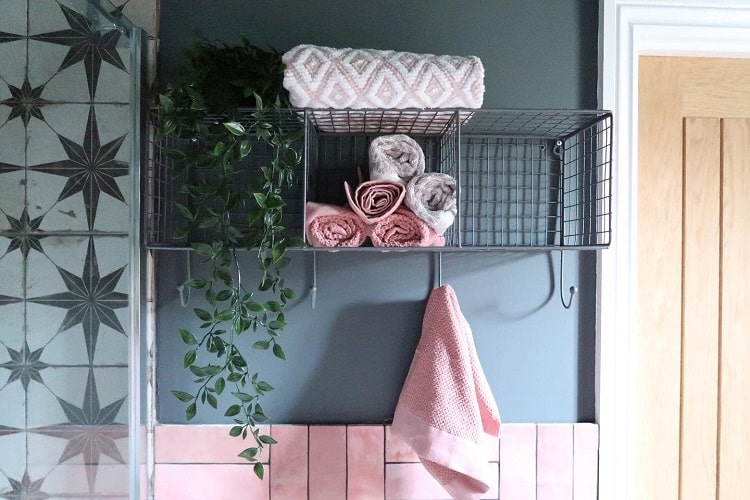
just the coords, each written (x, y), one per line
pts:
(90, 298)
(66, 348)
(42, 69)
(12, 142)
(89, 44)
(92, 431)
(25, 102)
(12, 438)
(12, 199)
(24, 234)
(24, 488)
(25, 365)
(13, 21)
(12, 403)
(11, 331)
(91, 167)
(13, 69)
(11, 284)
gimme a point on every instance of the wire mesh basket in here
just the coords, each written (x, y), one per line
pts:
(526, 178)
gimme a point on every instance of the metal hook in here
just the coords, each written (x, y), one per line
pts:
(438, 271)
(181, 289)
(314, 287)
(573, 289)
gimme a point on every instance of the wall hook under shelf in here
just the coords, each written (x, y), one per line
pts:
(572, 290)
(181, 288)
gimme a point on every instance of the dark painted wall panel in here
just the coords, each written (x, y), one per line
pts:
(348, 357)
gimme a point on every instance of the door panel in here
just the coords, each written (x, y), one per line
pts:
(693, 340)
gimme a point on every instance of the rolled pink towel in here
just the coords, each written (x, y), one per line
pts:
(404, 229)
(373, 200)
(333, 226)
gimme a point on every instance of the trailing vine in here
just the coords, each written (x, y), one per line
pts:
(210, 110)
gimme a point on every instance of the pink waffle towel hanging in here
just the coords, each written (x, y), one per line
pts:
(446, 405)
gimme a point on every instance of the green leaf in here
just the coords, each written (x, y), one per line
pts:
(224, 315)
(235, 128)
(249, 453)
(219, 385)
(258, 470)
(190, 411)
(185, 212)
(183, 396)
(264, 386)
(189, 358)
(276, 325)
(211, 370)
(255, 307)
(236, 430)
(262, 344)
(202, 314)
(234, 377)
(197, 371)
(188, 337)
(245, 148)
(242, 396)
(196, 283)
(224, 295)
(289, 293)
(267, 439)
(260, 199)
(211, 400)
(203, 249)
(273, 306)
(232, 411)
(278, 351)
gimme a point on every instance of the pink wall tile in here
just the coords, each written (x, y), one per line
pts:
(410, 481)
(585, 461)
(365, 462)
(204, 481)
(396, 450)
(554, 462)
(200, 444)
(289, 462)
(327, 462)
(518, 462)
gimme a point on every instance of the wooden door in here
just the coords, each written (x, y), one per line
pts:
(693, 341)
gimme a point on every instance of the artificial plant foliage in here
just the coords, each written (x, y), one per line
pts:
(209, 109)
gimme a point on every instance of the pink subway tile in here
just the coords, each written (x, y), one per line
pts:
(204, 481)
(289, 462)
(396, 450)
(409, 481)
(554, 462)
(492, 447)
(365, 453)
(327, 462)
(585, 461)
(200, 444)
(518, 462)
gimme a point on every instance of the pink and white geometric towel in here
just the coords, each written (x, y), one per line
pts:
(446, 405)
(326, 77)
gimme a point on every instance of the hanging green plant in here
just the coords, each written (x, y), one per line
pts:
(221, 214)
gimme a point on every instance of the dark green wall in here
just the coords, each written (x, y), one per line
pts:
(348, 357)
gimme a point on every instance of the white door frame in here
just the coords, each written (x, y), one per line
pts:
(627, 30)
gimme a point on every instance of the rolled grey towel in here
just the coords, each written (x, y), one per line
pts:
(396, 158)
(432, 198)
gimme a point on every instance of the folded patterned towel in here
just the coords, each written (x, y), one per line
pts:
(396, 158)
(373, 200)
(325, 77)
(333, 226)
(404, 229)
(432, 197)
(446, 406)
